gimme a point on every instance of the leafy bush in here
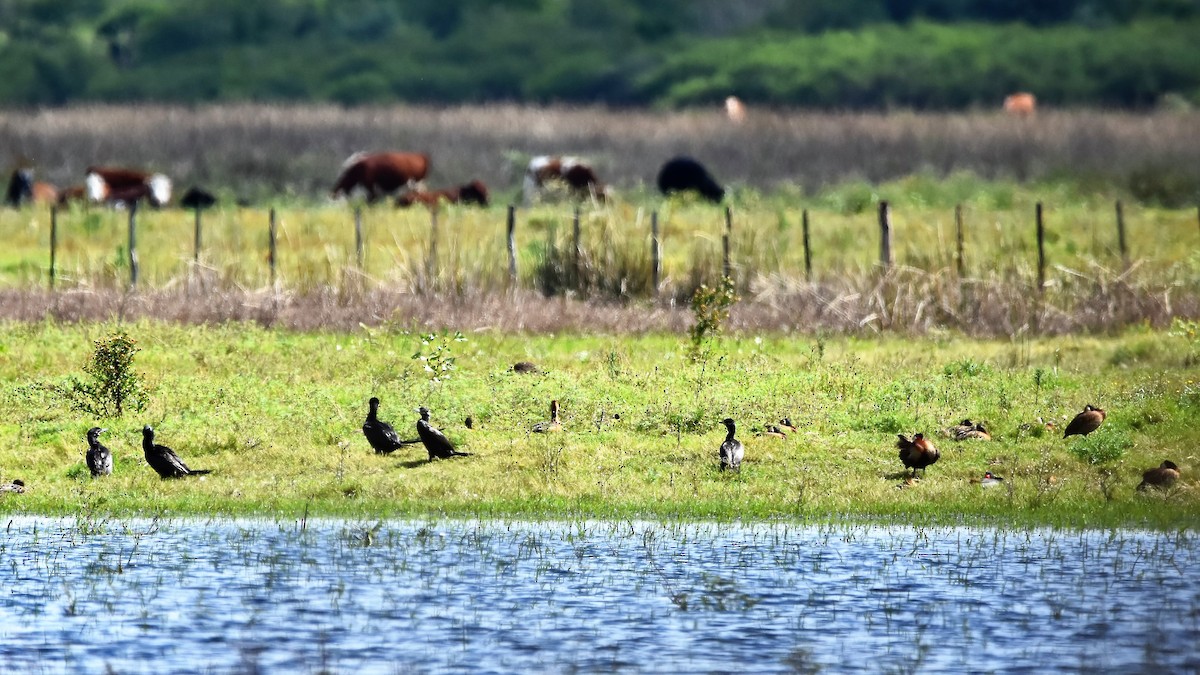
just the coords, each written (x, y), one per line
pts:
(114, 387)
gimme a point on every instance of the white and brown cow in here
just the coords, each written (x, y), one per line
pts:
(577, 175)
(119, 186)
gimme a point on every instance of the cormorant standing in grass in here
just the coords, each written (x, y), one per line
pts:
(1086, 422)
(435, 441)
(732, 450)
(163, 459)
(99, 459)
(917, 453)
(380, 434)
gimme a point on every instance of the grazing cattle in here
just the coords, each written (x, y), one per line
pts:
(22, 189)
(120, 186)
(682, 174)
(580, 179)
(1021, 104)
(380, 173)
(474, 192)
(735, 110)
(197, 198)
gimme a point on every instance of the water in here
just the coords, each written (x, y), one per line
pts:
(195, 596)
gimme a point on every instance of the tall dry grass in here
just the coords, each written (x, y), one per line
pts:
(263, 152)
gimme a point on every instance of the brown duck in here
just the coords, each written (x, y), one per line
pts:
(553, 424)
(967, 430)
(1163, 477)
(1086, 422)
(917, 453)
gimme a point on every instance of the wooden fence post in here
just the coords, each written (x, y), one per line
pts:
(271, 253)
(807, 246)
(512, 246)
(1121, 234)
(655, 252)
(133, 257)
(53, 243)
(959, 264)
(1041, 245)
(196, 237)
(576, 252)
(885, 234)
(727, 253)
(431, 265)
(358, 237)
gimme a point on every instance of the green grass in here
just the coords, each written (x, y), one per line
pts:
(316, 246)
(276, 415)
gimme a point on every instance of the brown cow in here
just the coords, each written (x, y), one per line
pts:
(381, 173)
(580, 179)
(1021, 104)
(474, 192)
(121, 186)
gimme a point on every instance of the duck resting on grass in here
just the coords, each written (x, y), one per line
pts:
(1162, 477)
(164, 460)
(732, 450)
(382, 437)
(99, 459)
(968, 430)
(435, 441)
(917, 453)
(17, 486)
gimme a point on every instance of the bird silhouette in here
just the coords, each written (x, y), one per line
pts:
(732, 450)
(164, 460)
(99, 459)
(435, 441)
(1162, 477)
(1086, 422)
(917, 453)
(382, 437)
(553, 424)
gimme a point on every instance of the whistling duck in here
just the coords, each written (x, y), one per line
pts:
(1086, 422)
(553, 424)
(786, 423)
(772, 431)
(917, 453)
(99, 459)
(164, 460)
(1163, 477)
(732, 450)
(435, 441)
(382, 437)
(968, 430)
(525, 367)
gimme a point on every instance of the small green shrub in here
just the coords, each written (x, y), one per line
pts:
(114, 386)
(710, 307)
(1101, 449)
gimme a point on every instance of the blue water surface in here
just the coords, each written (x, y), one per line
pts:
(331, 596)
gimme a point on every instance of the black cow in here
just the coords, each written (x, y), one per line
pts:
(684, 173)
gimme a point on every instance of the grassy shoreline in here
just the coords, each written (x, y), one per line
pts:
(276, 414)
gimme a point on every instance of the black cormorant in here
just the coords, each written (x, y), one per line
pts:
(732, 450)
(435, 441)
(380, 434)
(163, 459)
(99, 459)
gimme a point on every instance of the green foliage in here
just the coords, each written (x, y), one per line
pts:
(1099, 449)
(436, 354)
(829, 53)
(114, 386)
(710, 308)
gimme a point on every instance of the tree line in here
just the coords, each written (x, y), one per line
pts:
(856, 54)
